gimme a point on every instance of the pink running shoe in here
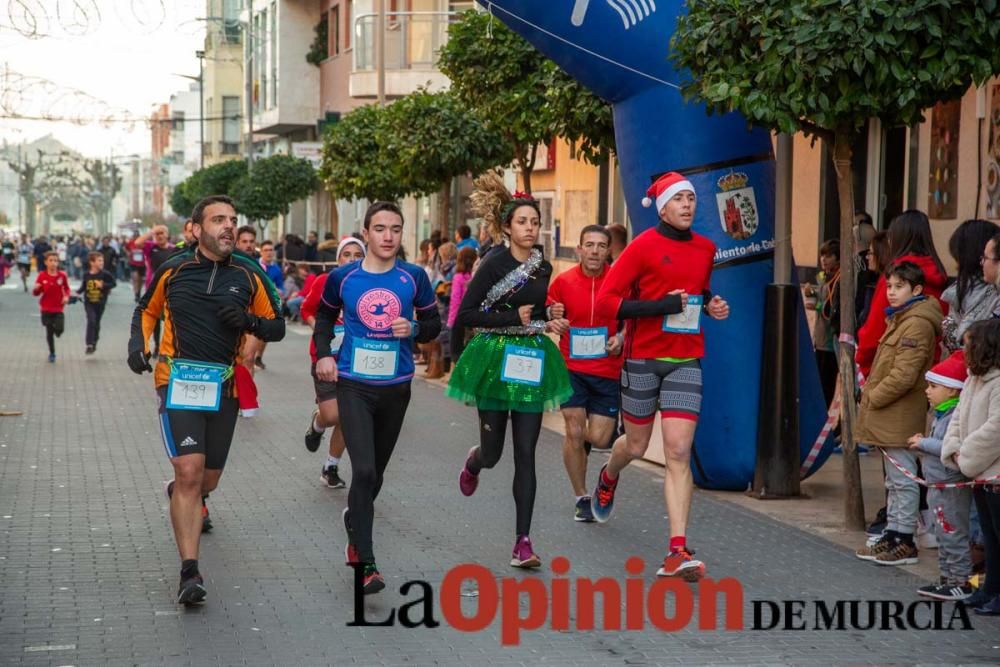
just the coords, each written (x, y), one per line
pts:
(467, 482)
(524, 556)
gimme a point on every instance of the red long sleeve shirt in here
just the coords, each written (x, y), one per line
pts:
(578, 292)
(872, 329)
(51, 289)
(311, 304)
(657, 262)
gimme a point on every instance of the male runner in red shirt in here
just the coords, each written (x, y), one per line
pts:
(660, 283)
(592, 347)
(52, 286)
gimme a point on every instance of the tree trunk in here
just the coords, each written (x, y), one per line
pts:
(444, 209)
(854, 505)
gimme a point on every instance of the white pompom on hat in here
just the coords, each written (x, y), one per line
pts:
(665, 187)
(348, 240)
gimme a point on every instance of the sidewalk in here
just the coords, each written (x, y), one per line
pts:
(88, 567)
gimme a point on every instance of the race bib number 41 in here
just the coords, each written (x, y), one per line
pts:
(688, 321)
(588, 343)
(375, 359)
(194, 385)
(523, 365)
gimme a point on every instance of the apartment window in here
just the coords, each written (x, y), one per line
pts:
(333, 32)
(177, 122)
(230, 125)
(349, 17)
(231, 20)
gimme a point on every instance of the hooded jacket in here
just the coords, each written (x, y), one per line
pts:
(893, 404)
(972, 441)
(870, 333)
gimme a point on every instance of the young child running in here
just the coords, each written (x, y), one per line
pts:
(510, 370)
(52, 286)
(96, 285)
(894, 407)
(972, 445)
(951, 506)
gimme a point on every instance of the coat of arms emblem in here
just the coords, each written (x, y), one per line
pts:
(737, 206)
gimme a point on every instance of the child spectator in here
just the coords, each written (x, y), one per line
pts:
(972, 445)
(951, 506)
(52, 288)
(893, 405)
(4, 268)
(96, 285)
(459, 283)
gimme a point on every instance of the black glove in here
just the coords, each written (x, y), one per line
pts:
(234, 318)
(138, 362)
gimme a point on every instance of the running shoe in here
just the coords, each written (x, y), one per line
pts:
(52, 358)
(877, 527)
(467, 481)
(313, 438)
(682, 563)
(603, 500)
(90, 349)
(206, 521)
(523, 555)
(192, 590)
(372, 581)
(871, 551)
(351, 554)
(584, 513)
(332, 479)
(898, 553)
(949, 592)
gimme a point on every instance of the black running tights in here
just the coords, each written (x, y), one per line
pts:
(371, 418)
(988, 505)
(525, 427)
(54, 324)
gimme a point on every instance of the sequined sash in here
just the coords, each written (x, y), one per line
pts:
(507, 285)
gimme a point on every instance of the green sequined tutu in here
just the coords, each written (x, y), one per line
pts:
(476, 378)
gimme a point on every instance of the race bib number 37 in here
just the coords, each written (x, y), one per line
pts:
(195, 386)
(375, 359)
(523, 365)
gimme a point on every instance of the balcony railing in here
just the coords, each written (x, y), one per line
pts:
(412, 40)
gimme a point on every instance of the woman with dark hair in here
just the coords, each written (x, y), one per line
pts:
(970, 298)
(910, 240)
(511, 370)
(877, 259)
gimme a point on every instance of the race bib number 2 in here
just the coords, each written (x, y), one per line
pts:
(688, 321)
(375, 359)
(523, 365)
(195, 385)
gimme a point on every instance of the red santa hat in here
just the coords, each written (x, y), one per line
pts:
(664, 188)
(949, 373)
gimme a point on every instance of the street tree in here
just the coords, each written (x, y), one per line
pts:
(430, 138)
(271, 186)
(515, 89)
(217, 179)
(353, 164)
(824, 68)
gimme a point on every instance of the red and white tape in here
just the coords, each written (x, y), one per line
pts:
(832, 415)
(938, 485)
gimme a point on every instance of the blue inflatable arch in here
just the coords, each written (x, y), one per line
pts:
(619, 49)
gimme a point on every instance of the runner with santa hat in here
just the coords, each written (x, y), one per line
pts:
(659, 285)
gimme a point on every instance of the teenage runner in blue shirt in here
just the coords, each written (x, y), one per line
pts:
(387, 305)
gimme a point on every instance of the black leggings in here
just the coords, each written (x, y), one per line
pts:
(525, 429)
(54, 324)
(94, 313)
(371, 418)
(988, 506)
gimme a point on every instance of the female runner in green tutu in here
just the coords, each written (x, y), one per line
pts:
(510, 369)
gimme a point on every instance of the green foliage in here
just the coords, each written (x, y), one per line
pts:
(273, 185)
(826, 66)
(318, 49)
(429, 138)
(353, 164)
(215, 180)
(519, 92)
(180, 202)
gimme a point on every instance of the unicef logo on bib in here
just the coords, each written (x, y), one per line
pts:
(377, 308)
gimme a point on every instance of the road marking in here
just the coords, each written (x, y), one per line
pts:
(50, 647)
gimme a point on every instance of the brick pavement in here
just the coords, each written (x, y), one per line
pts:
(88, 567)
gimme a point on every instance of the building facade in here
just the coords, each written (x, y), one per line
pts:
(222, 76)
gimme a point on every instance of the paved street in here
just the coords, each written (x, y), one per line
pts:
(88, 567)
